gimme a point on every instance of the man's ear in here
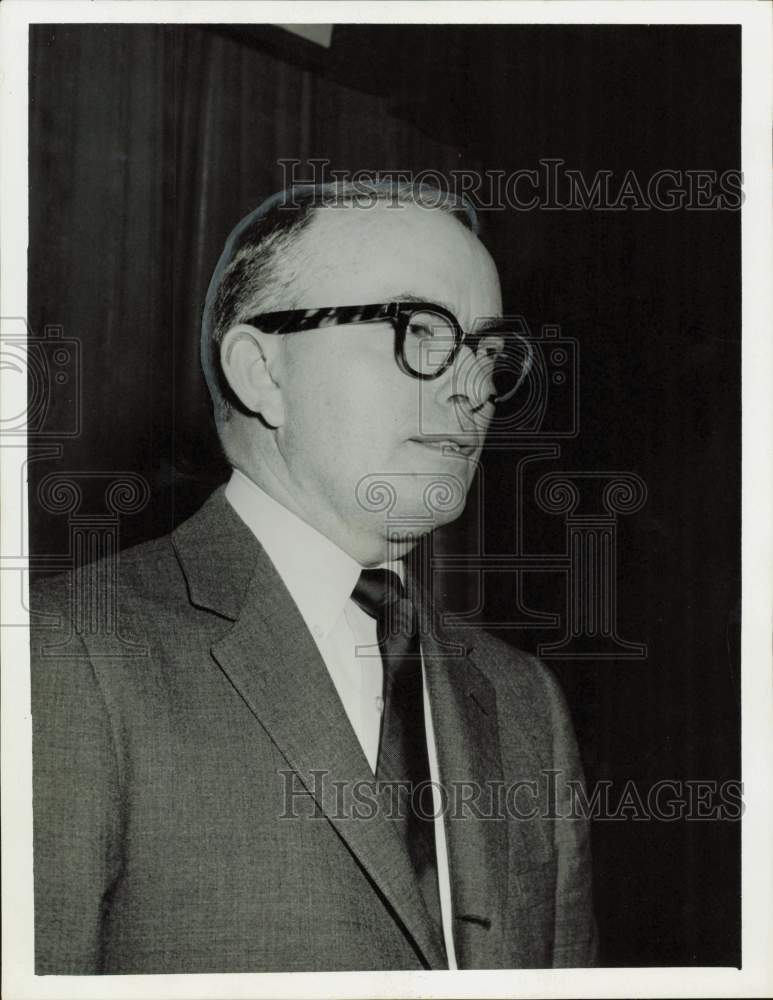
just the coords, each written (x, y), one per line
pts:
(249, 359)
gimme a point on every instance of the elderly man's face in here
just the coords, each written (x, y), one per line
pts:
(362, 442)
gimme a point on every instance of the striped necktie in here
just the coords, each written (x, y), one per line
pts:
(402, 754)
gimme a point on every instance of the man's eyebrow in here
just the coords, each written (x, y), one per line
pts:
(488, 323)
(412, 297)
(481, 325)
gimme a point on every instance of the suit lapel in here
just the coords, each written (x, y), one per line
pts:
(272, 661)
(464, 719)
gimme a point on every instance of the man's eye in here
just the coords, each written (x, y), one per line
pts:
(420, 330)
(491, 346)
(430, 326)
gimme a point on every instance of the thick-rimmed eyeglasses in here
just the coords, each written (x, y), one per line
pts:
(428, 337)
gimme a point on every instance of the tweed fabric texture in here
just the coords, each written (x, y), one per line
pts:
(188, 813)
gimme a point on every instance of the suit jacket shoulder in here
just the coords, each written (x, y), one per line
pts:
(174, 690)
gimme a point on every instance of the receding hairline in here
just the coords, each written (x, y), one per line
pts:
(331, 223)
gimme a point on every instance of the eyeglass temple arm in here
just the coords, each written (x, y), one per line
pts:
(304, 320)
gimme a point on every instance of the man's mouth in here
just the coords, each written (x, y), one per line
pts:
(465, 447)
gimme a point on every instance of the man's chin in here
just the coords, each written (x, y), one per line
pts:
(419, 500)
(400, 508)
(415, 522)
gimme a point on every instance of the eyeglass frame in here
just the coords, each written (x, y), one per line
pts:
(398, 313)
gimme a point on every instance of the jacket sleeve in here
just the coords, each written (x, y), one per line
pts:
(76, 804)
(575, 935)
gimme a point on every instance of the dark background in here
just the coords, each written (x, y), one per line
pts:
(147, 143)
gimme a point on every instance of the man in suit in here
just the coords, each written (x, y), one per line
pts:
(304, 770)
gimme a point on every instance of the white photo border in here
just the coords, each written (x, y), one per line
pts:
(756, 976)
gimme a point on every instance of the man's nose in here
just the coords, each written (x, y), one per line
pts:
(470, 378)
(468, 387)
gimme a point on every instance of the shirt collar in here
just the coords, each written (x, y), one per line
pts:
(318, 574)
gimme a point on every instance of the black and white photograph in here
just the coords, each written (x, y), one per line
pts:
(385, 437)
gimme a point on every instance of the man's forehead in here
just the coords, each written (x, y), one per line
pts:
(397, 253)
(356, 225)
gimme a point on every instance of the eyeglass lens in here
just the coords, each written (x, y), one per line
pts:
(431, 339)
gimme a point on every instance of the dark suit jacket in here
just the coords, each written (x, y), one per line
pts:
(164, 837)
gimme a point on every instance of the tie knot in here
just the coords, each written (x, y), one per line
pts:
(380, 594)
(377, 591)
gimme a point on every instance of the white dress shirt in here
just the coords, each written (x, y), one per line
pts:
(320, 578)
